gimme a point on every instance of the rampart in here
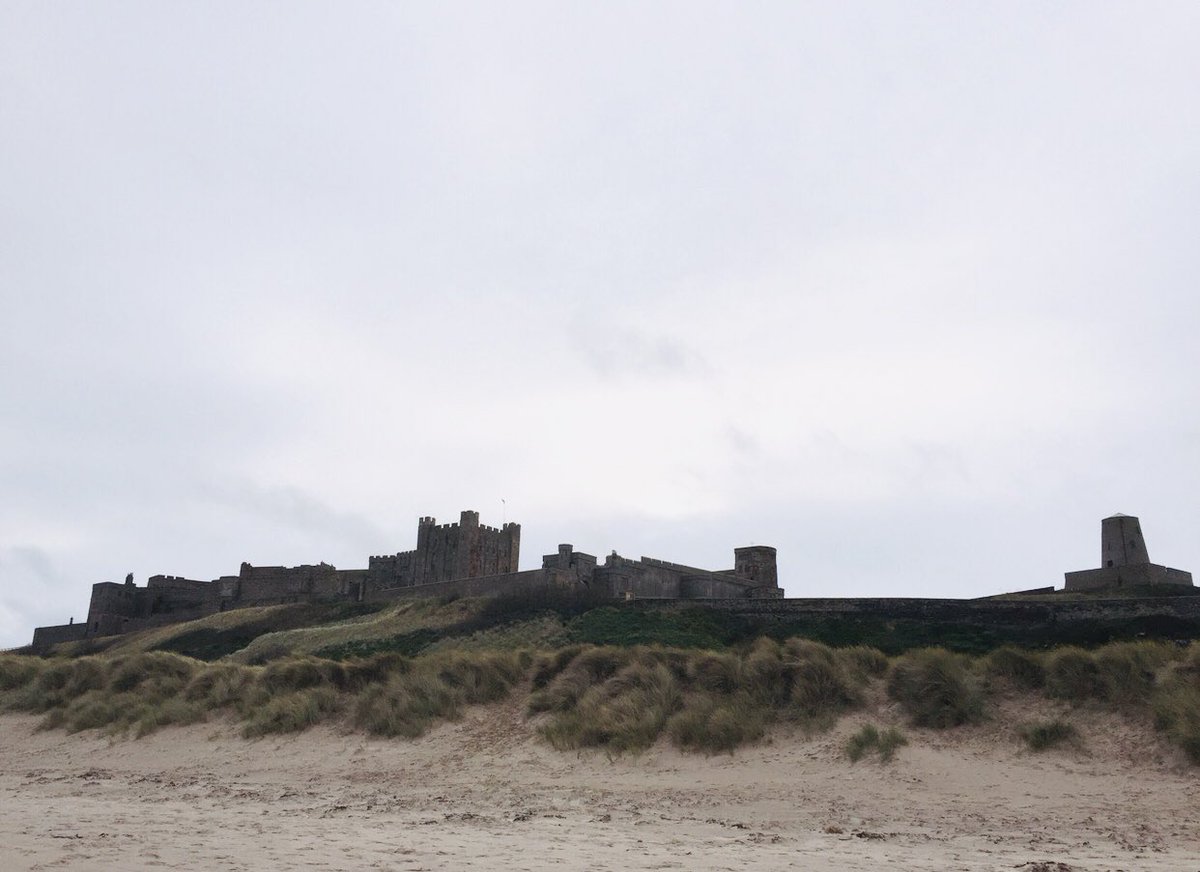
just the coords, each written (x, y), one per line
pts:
(530, 581)
(44, 637)
(458, 559)
(467, 559)
(983, 611)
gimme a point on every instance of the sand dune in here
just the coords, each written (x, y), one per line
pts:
(485, 793)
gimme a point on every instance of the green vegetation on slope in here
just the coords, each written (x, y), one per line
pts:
(620, 698)
(871, 738)
(1048, 734)
(597, 674)
(551, 619)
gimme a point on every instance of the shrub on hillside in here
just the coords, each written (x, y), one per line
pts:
(55, 684)
(361, 672)
(173, 711)
(300, 673)
(18, 671)
(1048, 734)
(1072, 674)
(623, 713)
(436, 688)
(549, 664)
(817, 684)
(1128, 669)
(406, 706)
(291, 712)
(1019, 667)
(218, 685)
(870, 738)
(161, 670)
(589, 667)
(1176, 707)
(764, 676)
(481, 676)
(715, 672)
(936, 688)
(862, 662)
(92, 710)
(713, 724)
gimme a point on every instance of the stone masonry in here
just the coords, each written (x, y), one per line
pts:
(461, 559)
(1124, 560)
(467, 559)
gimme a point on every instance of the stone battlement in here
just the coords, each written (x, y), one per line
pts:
(1124, 561)
(472, 559)
(463, 558)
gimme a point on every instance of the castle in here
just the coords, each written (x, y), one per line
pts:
(462, 559)
(472, 559)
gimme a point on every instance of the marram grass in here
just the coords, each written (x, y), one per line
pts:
(617, 698)
(870, 738)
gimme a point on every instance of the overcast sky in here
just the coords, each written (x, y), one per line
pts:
(907, 290)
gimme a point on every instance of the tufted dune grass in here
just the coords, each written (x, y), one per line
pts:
(936, 688)
(1042, 735)
(870, 738)
(615, 698)
(623, 699)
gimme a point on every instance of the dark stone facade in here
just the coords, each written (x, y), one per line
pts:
(1124, 561)
(461, 559)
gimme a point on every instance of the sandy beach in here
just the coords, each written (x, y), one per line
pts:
(486, 793)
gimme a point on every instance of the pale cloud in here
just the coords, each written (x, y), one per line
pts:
(665, 278)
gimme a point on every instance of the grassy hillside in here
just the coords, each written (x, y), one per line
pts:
(600, 675)
(548, 620)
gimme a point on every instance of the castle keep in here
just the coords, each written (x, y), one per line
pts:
(462, 559)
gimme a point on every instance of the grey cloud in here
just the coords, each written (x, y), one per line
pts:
(272, 286)
(292, 508)
(613, 351)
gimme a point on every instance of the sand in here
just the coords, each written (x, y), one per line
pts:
(486, 793)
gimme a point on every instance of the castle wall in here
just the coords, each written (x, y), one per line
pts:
(713, 585)
(44, 637)
(648, 578)
(392, 570)
(632, 581)
(1130, 575)
(571, 562)
(986, 612)
(462, 559)
(530, 581)
(267, 585)
(168, 593)
(112, 605)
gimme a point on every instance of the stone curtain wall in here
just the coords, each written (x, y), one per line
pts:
(530, 581)
(44, 637)
(1014, 612)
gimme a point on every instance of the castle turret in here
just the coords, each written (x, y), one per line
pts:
(1121, 542)
(1124, 560)
(754, 565)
